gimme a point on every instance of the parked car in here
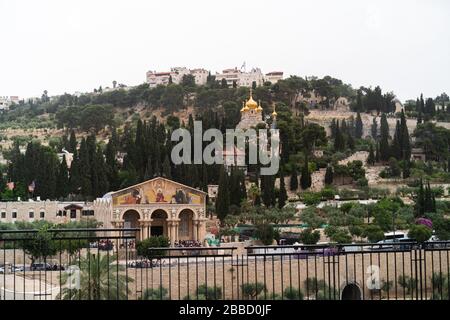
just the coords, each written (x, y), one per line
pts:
(41, 267)
(17, 268)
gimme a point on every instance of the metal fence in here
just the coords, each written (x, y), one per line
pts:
(102, 264)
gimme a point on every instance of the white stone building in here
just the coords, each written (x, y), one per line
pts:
(242, 79)
(7, 101)
(273, 77)
(162, 78)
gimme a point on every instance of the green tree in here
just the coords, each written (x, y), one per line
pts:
(371, 157)
(358, 126)
(100, 279)
(282, 197)
(329, 175)
(384, 142)
(305, 179)
(420, 233)
(293, 185)
(62, 182)
(308, 236)
(223, 196)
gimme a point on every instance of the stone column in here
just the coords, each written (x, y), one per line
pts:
(169, 231)
(195, 230)
(149, 229)
(175, 230)
(141, 229)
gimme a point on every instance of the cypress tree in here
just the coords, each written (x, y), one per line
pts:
(405, 142)
(358, 127)
(371, 157)
(223, 196)
(204, 178)
(111, 165)
(268, 190)
(242, 188)
(102, 185)
(374, 128)
(293, 185)
(305, 179)
(384, 142)
(166, 168)
(72, 142)
(396, 147)
(85, 169)
(339, 143)
(419, 206)
(329, 175)
(148, 170)
(377, 153)
(62, 181)
(406, 169)
(282, 197)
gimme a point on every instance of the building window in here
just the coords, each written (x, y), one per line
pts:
(87, 213)
(3, 214)
(73, 214)
(14, 215)
(42, 214)
(31, 214)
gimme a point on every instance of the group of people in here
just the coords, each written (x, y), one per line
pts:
(103, 245)
(187, 244)
(129, 244)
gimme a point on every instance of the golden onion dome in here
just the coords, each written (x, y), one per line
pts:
(251, 104)
(244, 107)
(259, 109)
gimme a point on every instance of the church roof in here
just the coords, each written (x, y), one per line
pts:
(251, 104)
(154, 179)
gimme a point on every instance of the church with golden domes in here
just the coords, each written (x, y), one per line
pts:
(251, 114)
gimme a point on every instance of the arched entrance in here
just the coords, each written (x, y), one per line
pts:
(351, 292)
(159, 223)
(131, 220)
(186, 226)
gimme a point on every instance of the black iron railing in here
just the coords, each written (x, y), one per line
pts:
(103, 264)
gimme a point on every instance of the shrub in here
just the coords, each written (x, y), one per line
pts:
(311, 198)
(420, 233)
(144, 248)
(308, 236)
(252, 290)
(373, 233)
(155, 294)
(210, 293)
(265, 233)
(291, 293)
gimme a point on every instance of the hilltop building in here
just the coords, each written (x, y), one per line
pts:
(163, 78)
(273, 77)
(236, 77)
(7, 101)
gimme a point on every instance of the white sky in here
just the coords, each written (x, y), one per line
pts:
(76, 45)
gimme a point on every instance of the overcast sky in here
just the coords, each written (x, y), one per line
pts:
(76, 45)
